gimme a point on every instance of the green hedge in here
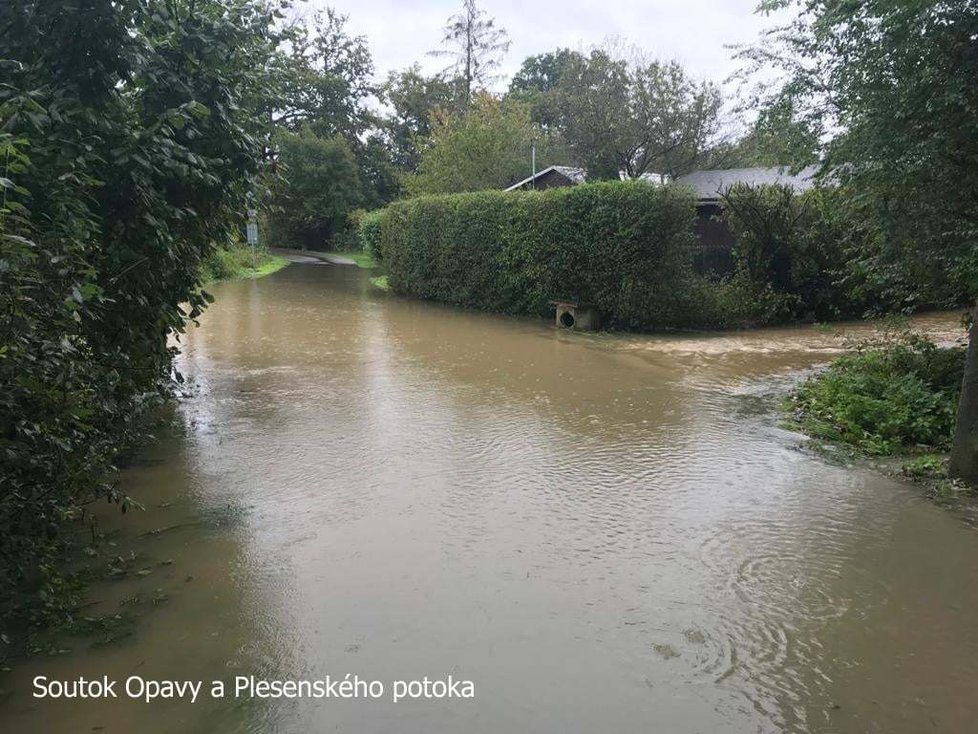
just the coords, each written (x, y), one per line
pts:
(368, 230)
(621, 247)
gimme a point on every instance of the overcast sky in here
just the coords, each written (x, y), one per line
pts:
(401, 32)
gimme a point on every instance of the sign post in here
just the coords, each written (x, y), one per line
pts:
(252, 232)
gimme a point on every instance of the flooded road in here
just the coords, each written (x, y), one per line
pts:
(604, 533)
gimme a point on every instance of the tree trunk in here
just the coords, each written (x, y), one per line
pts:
(964, 452)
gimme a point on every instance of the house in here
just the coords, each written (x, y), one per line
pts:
(551, 178)
(715, 238)
(650, 177)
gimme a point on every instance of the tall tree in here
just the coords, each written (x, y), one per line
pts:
(413, 98)
(778, 137)
(130, 139)
(542, 72)
(635, 116)
(538, 80)
(319, 186)
(475, 45)
(892, 84)
(487, 147)
(325, 75)
(326, 78)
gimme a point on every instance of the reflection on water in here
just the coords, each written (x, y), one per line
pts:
(604, 533)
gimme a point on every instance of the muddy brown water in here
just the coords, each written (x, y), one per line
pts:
(602, 532)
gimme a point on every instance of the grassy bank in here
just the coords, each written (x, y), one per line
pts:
(894, 399)
(240, 261)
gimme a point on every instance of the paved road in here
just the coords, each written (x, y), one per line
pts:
(308, 256)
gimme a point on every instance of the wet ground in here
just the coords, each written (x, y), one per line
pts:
(602, 532)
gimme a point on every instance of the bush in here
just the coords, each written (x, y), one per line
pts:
(623, 248)
(232, 261)
(368, 230)
(885, 397)
(126, 151)
(798, 246)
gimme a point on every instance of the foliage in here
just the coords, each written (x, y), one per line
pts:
(776, 138)
(487, 147)
(368, 230)
(129, 143)
(330, 144)
(537, 81)
(801, 247)
(885, 397)
(320, 186)
(928, 466)
(891, 84)
(239, 260)
(631, 115)
(414, 99)
(325, 78)
(620, 247)
(475, 44)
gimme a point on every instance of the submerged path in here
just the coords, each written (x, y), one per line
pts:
(603, 533)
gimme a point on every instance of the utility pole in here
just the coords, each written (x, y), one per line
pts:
(252, 230)
(533, 165)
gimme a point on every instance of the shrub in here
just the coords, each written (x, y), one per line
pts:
(232, 261)
(623, 248)
(126, 151)
(884, 398)
(800, 246)
(368, 230)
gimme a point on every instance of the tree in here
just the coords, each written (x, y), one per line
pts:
(475, 44)
(776, 138)
(131, 134)
(635, 116)
(325, 76)
(676, 120)
(891, 84)
(538, 80)
(413, 98)
(320, 186)
(488, 147)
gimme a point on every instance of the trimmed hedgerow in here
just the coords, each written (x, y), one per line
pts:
(623, 248)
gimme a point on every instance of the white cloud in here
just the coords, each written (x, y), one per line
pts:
(695, 32)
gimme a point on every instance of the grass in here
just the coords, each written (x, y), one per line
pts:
(271, 264)
(380, 282)
(239, 261)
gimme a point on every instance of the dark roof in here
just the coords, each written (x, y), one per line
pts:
(572, 174)
(709, 184)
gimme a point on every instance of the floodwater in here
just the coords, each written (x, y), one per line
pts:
(603, 533)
